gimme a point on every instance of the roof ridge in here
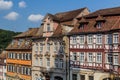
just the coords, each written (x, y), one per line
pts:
(70, 11)
(108, 8)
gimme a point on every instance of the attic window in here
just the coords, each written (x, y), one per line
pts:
(81, 26)
(19, 42)
(48, 27)
(99, 25)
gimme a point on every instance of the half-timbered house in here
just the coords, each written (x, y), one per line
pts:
(94, 46)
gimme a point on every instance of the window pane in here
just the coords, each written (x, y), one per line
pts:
(74, 76)
(81, 57)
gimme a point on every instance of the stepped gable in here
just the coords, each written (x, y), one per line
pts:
(69, 15)
(29, 33)
(108, 25)
(105, 12)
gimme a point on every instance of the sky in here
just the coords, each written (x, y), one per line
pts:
(20, 15)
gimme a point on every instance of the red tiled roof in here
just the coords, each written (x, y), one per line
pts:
(105, 12)
(58, 31)
(22, 46)
(39, 33)
(29, 33)
(109, 24)
(69, 15)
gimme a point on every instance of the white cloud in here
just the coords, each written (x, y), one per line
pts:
(35, 17)
(4, 5)
(22, 4)
(12, 16)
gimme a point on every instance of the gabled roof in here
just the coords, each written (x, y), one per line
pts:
(25, 44)
(22, 46)
(109, 25)
(29, 33)
(53, 17)
(69, 15)
(105, 12)
(39, 32)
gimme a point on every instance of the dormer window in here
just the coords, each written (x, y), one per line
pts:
(99, 21)
(48, 27)
(81, 26)
(99, 25)
(19, 42)
(82, 23)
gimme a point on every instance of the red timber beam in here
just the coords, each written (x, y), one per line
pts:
(87, 50)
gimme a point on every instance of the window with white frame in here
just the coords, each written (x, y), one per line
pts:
(41, 47)
(48, 27)
(81, 39)
(22, 56)
(56, 63)
(22, 70)
(81, 26)
(19, 42)
(109, 39)
(29, 56)
(115, 38)
(36, 48)
(29, 71)
(61, 63)
(55, 46)
(109, 58)
(99, 24)
(99, 57)
(99, 39)
(90, 57)
(74, 56)
(25, 54)
(81, 57)
(90, 39)
(48, 62)
(18, 69)
(41, 62)
(74, 40)
(61, 48)
(9, 55)
(36, 62)
(48, 47)
(18, 57)
(116, 60)
(14, 55)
